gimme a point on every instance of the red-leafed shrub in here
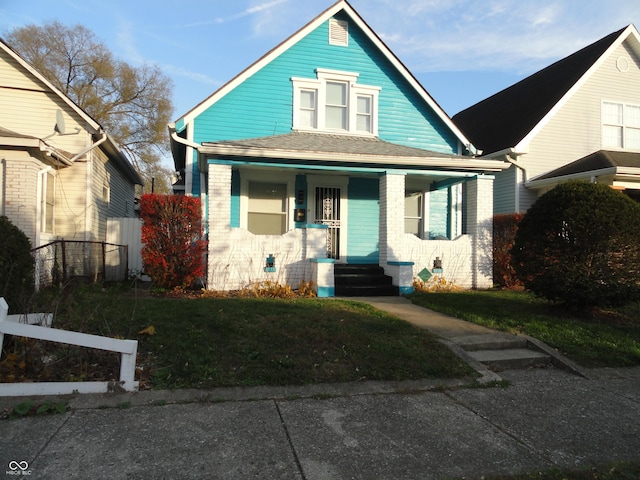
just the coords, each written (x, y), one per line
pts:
(505, 227)
(174, 248)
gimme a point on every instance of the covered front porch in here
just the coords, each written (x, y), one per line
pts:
(290, 216)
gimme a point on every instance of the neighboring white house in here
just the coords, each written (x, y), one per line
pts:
(61, 175)
(579, 118)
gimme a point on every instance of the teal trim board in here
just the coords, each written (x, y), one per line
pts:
(325, 292)
(406, 290)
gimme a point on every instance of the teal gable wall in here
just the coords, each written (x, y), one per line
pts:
(262, 105)
(364, 219)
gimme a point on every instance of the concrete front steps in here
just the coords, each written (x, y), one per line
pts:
(503, 351)
(363, 281)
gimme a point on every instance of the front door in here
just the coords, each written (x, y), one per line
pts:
(329, 208)
(327, 212)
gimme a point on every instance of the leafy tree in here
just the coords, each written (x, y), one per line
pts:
(132, 103)
(174, 249)
(579, 244)
(16, 266)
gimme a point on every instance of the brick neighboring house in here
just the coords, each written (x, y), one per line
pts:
(578, 118)
(327, 154)
(61, 175)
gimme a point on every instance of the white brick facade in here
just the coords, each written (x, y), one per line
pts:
(466, 260)
(20, 195)
(237, 258)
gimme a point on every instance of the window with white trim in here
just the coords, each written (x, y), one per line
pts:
(334, 102)
(47, 196)
(265, 199)
(413, 213)
(620, 126)
(308, 108)
(267, 208)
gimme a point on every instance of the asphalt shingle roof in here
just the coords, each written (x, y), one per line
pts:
(502, 120)
(327, 143)
(596, 161)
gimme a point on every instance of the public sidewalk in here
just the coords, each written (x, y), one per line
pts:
(370, 430)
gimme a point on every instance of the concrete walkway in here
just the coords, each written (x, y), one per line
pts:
(481, 347)
(371, 430)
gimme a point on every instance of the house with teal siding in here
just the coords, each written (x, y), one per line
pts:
(326, 161)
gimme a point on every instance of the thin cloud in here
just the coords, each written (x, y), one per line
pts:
(245, 13)
(126, 41)
(195, 76)
(493, 35)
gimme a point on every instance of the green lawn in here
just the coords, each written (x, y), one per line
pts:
(608, 339)
(208, 342)
(621, 471)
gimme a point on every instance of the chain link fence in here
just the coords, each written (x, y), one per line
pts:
(65, 261)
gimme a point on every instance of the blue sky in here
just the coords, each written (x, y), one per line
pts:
(462, 51)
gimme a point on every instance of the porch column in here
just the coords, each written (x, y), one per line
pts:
(480, 227)
(218, 218)
(391, 217)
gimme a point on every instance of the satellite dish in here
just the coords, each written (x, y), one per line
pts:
(60, 128)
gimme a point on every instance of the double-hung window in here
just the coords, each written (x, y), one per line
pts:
(413, 213)
(267, 214)
(47, 199)
(335, 103)
(336, 107)
(364, 113)
(264, 202)
(308, 108)
(620, 126)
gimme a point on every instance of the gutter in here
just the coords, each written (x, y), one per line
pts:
(229, 151)
(510, 155)
(174, 136)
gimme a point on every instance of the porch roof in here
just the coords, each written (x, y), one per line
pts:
(346, 149)
(621, 165)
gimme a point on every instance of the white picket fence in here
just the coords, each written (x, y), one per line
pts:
(38, 326)
(126, 231)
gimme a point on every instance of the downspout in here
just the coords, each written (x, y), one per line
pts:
(90, 147)
(183, 141)
(88, 199)
(187, 143)
(511, 157)
(205, 205)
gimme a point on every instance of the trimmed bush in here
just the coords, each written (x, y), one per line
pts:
(579, 244)
(16, 267)
(505, 227)
(173, 251)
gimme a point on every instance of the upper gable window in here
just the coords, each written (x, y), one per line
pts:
(334, 102)
(338, 32)
(620, 126)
